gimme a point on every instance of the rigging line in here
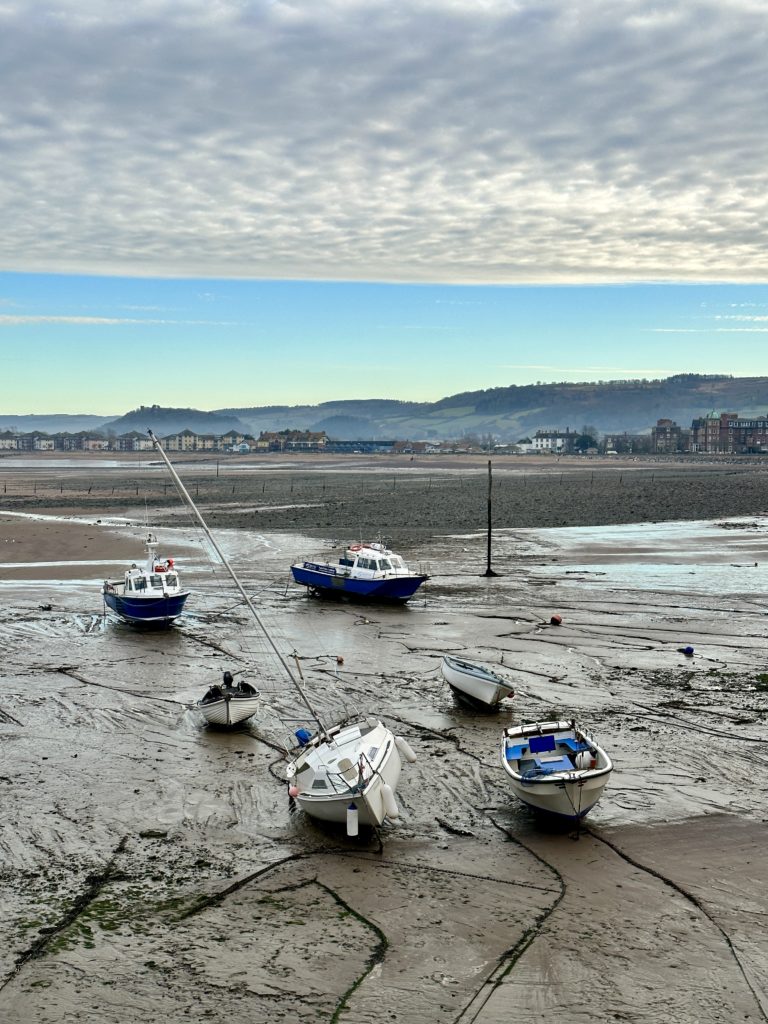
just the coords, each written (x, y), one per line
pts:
(235, 580)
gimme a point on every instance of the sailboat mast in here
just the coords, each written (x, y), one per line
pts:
(185, 494)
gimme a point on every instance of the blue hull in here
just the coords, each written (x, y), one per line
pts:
(327, 581)
(150, 611)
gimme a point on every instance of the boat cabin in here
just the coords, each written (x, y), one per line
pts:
(373, 558)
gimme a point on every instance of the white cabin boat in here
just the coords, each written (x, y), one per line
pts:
(475, 683)
(555, 767)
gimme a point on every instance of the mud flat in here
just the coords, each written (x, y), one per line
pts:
(406, 499)
(154, 869)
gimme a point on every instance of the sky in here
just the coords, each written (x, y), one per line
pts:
(239, 202)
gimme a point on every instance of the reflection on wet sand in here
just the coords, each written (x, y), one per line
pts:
(154, 869)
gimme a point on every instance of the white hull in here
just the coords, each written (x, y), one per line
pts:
(566, 780)
(572, 799)
(475, 681)
(353, 766)
(229, 710)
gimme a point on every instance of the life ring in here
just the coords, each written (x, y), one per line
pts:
(355, 547)
(159, 568)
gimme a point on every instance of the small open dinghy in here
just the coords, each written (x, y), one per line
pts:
(229, 703)
(555, 767)
(475, 683)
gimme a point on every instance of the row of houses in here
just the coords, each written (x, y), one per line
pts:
(724, 433)
(715, 434)
(183, 441)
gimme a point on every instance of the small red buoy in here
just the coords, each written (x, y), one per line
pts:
(556, 620)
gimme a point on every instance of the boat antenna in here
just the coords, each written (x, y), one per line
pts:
(185, 494)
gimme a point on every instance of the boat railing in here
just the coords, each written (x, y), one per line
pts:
(344, 780)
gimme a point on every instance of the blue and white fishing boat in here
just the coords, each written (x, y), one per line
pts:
(368, 571)
(555, 767)
(149, 594)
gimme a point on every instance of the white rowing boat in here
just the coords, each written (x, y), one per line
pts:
(475, 682)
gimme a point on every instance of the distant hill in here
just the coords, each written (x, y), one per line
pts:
(171, 421)
(349, 419)
(51, 423)
(510, 413)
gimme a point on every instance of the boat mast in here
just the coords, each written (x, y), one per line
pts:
(185, 494)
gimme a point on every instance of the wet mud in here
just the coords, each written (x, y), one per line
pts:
(154, 868)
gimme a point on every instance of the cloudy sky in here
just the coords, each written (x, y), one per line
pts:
(273, 156)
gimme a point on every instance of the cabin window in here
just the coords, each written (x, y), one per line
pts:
(156, 581)
(384, 564)
(172, 581)
(129, 585)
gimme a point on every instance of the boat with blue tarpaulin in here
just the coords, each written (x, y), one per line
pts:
(555, 767)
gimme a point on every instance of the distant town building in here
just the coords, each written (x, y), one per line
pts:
(556, 441)
(626, 443)
(292, 440)
(667, 437)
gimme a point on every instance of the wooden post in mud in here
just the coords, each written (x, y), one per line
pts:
(488, 570)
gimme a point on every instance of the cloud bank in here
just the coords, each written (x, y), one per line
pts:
(439, 140)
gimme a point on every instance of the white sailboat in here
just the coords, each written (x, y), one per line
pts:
(344, 774)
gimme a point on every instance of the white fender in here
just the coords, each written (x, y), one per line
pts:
(388, 798)
(405, 749)
(352, 824)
